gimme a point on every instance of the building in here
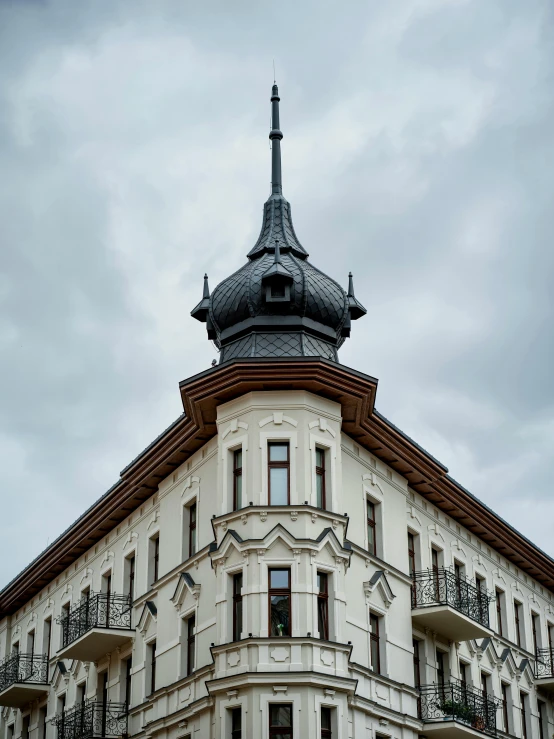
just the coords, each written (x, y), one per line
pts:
(282, 561)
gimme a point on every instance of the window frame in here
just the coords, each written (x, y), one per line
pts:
(323, 603)
(152, 646)
(236, 732)
(371, 524)
(327, 731)
(321, 475)
(375, 642)
(237, 474)
(517, 623)
(237, 605)
(279, 591)
(193, 525)
(191, 644)
(274, 730)
(278, 465)
(499, 621)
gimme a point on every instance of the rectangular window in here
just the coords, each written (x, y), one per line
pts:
(326, 730)
(417, 671)
(154, 564)
(192, 529)
(499, 625)
(11, 731)
(130, 576)
(320, 478)
(440, 668)
(505, 707)
(280, 720)
(236, 723)
(237, 606)
(375, 646)
(237, 479)
(279, 602)
(435, 569)
(128, 679)
(42, 726)
(523, 703)
(371, 528)
(191, 641)
(482, 601)
(25, 727)
(152, 648)
(279, 473)
(542, 719)
(517, 615)
(536, 627)
(411, 553)
(323, 605)
(47, 637)
(484, 684)
(31, 642)
(64, 621)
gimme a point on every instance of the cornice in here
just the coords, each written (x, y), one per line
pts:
(203, 393)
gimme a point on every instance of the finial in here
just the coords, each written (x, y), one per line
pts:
(206, 293)
(355, 308)
(203, 308)
(275, 136)
(350, 285)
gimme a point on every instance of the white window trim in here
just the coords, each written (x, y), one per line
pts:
(226, 499)
(279, 436)
(330, 448)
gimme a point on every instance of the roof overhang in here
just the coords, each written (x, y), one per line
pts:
(203, 393)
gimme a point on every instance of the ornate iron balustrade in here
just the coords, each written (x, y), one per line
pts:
(443, 587)
(91, 720)
(544, 663)
(96, 611)
(23, 668)
(456, 701)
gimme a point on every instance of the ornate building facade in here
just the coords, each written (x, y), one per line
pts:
(282, 561)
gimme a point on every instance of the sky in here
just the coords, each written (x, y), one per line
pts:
(134, 156)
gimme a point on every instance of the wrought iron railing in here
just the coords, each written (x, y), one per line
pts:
(544, 663)
(456, 701)
(91, 720)
(96, 611)
(444, 587)
(23, 668)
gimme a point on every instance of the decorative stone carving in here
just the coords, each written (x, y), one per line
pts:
(233, 659)
(280, 654)
(294, 515)
(328, 658)
(263, 516)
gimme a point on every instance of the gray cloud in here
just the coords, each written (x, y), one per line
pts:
(134, 156)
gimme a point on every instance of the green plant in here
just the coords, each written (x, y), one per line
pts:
(458, 710)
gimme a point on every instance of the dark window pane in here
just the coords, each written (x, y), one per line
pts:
(279, 578)
(280, 715)
(319, 490)
(278, 482)
(278, 452)
(280, 615)
(325, 718)
(238, 459)
(238, 491)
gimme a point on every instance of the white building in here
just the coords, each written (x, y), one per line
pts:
(282, 561)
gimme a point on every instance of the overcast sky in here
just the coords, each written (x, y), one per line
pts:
(134, 156)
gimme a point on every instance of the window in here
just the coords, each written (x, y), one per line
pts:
(371, 528)
(64, 621)
(375, 647)
(499, 603)
(42, 726)
(128, 679)
(542, 719)
(323, 605)
(236, 723)
(280, 720)
(536, 627)
(82, 693)
(411, 553)
(480, 584)
(191, 640)
(107, 590)
(10, 731)
(321, 501)
(192, 529)
(417, 671)
(440, 668)
(279, 473)
(237, 606)
(523, 703)
(25, 727)
(505, 707)
(47, 637)
(152, 649)
(130, 575)
(237, 479)
(517, 614)
(435, 568)
(154, 564)
(31, 642)
(484, 684)
(279, 602)
(326, 731)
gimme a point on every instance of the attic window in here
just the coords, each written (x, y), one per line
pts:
(277, 292)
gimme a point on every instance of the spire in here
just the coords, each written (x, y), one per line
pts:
(275, 136)
(202, 309)
(356, 309)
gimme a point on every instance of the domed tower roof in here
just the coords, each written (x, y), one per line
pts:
(278, 304)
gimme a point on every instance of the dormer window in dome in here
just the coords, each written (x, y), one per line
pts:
(277, 280)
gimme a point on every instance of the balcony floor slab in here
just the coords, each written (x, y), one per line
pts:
(18, 695)
(95, 643)
(451, 730)
(449, 622)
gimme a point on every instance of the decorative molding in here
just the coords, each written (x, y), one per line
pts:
(435, 529)
(109, 556)
(233, 427)
(185, 585)
(154, 519)
(149, 614)
(323, 427)
(88, 573)
(189, 482)
(379, 582)
(278, 418)
(132, 536)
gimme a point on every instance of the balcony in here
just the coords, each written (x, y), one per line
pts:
(98, 624)
(456, 711)
(544, 669)
(450, 605)
(92, 720)
(23, 678)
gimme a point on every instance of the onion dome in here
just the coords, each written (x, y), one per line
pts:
(278, 304)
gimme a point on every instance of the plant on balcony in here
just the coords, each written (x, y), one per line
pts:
(459, 710)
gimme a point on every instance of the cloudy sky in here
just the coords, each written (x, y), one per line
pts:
(134, 156)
